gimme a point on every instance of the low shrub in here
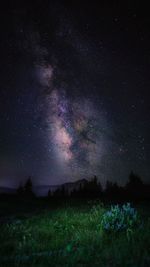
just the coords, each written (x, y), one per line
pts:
(120, 218)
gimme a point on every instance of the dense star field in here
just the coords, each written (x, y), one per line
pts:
(74, 92)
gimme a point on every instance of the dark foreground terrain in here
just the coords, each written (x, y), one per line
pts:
(42, 232)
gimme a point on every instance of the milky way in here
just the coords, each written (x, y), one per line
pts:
(77, 132)
(74, 96)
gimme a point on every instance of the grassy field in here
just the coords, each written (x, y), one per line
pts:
(41, 233)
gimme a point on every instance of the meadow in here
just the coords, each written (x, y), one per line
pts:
(68, 233)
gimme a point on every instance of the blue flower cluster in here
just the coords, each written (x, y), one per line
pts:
(120, 218)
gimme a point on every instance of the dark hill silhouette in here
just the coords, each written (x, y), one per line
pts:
(7, 190)
(42, 190)
(134, 189)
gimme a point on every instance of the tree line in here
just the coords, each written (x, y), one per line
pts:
(133, 189)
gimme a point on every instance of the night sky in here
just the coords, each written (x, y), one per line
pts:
(74, 91)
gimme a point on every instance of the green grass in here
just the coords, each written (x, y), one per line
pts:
(69, 235)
